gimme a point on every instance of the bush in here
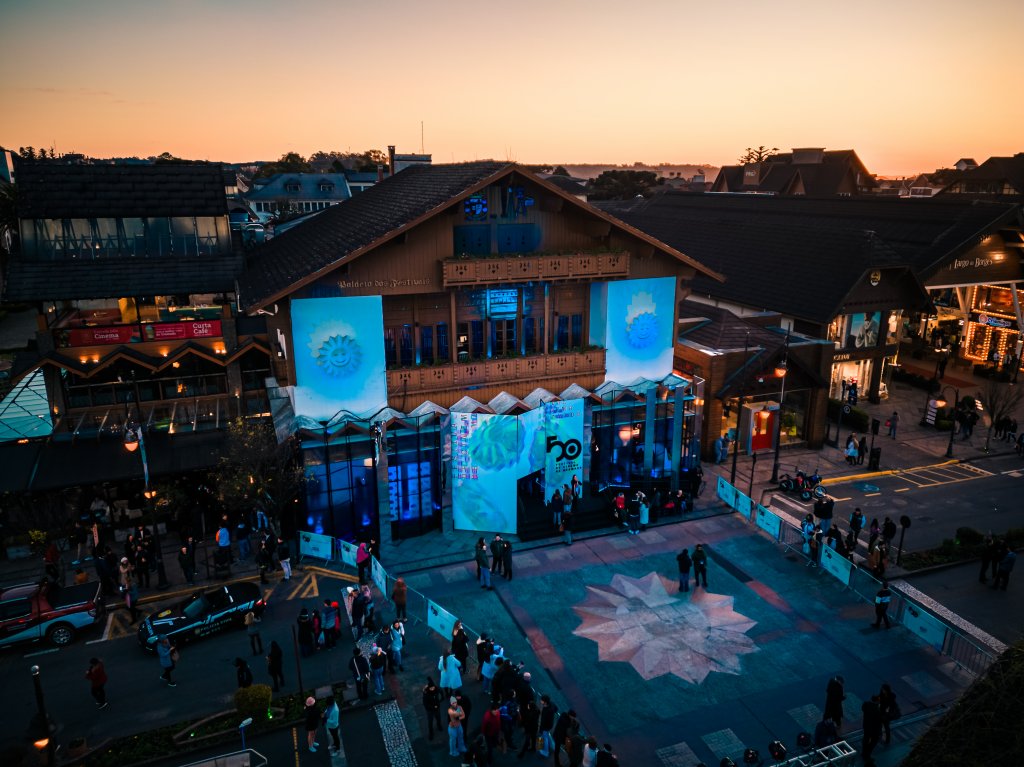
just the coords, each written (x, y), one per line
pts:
(941, 425)
(253, 701)
(918, 381)
(968, 536)
(855, 420)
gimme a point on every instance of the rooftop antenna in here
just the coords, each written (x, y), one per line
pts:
(421, 137)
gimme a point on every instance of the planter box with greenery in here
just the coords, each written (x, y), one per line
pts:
(969, 544)
(855, 420)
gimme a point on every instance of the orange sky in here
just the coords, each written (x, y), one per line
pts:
(911, 85)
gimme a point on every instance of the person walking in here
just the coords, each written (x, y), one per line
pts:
(882, 600)
(456, 737)
(893, 423)
(284, 556)
(311, 717)
(400, 596)
(483, 567)
(167, 654)
(360, 668)
(97, 676)
(835, 694)
(889, 709)
(331, 622)
(856, 523)
(862, 450)
(872, 724)
(451, 678)
(1006, 563)
(873, 532)
(567, 516)
(252, 630)
(633, 517)
(332, 721)
(683, 558)
(275, 665)
(432, 706)
(187, 563)
(700, 566)
(243, 674)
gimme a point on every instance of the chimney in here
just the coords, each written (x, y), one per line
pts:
(391, 159)
(380, 173)
(752, 174)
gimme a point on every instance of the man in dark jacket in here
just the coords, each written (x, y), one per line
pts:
(872, 729)
(700, 566)
(497, 546)
(432, 705)
(530, 717)
(506, 559)
(359, 614)
(360, 668)
(566, 727)
(243, 673)
(548, 711)
(188, 565)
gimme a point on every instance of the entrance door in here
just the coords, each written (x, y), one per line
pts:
(763, 430)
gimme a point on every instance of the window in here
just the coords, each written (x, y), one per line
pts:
(472, 240)
(427, 344)
(398, 346)
(503, 338)
(470, 340)
(568, 332)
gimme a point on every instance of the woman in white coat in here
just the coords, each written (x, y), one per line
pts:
(451, 678)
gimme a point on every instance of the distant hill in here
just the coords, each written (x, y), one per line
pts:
(668, 170)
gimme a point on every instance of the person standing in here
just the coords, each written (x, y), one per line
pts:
(683, 558)
(700, 566)
(566, 727)
(360, 668)
(862, 449)
(835, 694)
(252, 629)
(548, 711)
(490, 726)
(988, 558)
(284, 556)
(894, 422)
(483, 567)
(243, 673)
(1006, 563)
(305, 632)
(275, 665)
(888, 531)
(378, 661)
(460, 644)
(451, 679)
(400, 596)
(496, 560)
(889, 709)
(332, 717)
(633, 517)
(242, 536)
(530, 719)
(882, 600)
(397, 635)
(264, 561)
(332, 622)
(167, 654)
(872, 729)
(312, 720)
(873, 532)
(456, 738)
(856, 523)
(432, 706)
(567, 516)
(97, 676)
(188, 565)
(506, 559)
(645, 512)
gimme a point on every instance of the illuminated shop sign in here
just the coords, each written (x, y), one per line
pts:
(994, 322)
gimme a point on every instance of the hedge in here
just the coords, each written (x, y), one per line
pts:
(855, 420)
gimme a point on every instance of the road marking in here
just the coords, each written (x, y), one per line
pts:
(41, 652)
(1013, 472)
(307, 588)
(841, 499)
(869, 495)
(902, 489)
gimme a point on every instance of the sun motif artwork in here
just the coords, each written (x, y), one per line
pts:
(644, 622)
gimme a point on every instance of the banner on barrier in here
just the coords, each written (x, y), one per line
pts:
(316, 546)
(726, 492)
(379, 576)
(348, 553)
(839, 566)
(769, 522)
(440, 620)
(744, 505)
(926, 626)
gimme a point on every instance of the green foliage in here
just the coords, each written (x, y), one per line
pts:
(255, 468)
(338, 162)
(757, 154)
(980, 729)
(918, 381)
(856, 420)
(291, 162)
(623, 184)
(560, 171)
(253, 701)
(968, 544)
(968, 536)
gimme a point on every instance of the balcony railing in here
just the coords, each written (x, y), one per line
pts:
(132, 246)
(512, 269)
(539, 367)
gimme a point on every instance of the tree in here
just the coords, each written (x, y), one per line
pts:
(560, 171)
(27, 152)
(255, 468)
(290, 162)
(623, 184)
(759, 154)
(1001, 401)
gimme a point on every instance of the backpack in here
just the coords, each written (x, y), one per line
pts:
(511, 710)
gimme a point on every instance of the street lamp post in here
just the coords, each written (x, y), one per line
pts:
(942, 403)
(134, 440)
(739, 410)
(42, 724)
(327, 471)
(780, 372)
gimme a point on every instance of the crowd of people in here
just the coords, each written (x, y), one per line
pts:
(878, 713)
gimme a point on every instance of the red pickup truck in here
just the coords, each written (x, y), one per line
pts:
(45, 610)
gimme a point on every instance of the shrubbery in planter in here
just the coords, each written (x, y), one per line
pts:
(855, 420)
(253, 701)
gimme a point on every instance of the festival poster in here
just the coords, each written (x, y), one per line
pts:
(316, 546)
(839, 566)
(348, 553)
(638, 334)
(379, 576)
(563, 444)
(485, 453)
(769, 522)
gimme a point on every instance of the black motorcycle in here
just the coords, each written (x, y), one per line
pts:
(807, 485)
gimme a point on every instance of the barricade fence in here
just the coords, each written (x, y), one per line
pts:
(420, 609)
(946, 639)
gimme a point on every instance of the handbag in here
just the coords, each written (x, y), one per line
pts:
(561, 528)
(888, 424)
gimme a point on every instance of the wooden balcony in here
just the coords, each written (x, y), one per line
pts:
(483, 379)
(511, 269)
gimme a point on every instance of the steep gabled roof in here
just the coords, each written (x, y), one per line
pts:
(276, 187)
(384, 211)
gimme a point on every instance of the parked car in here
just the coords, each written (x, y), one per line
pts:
(202, 614)
(35, 611)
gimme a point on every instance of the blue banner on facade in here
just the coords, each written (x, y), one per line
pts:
(563, 445)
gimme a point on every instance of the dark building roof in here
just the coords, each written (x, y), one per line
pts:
(815, 172)
(987, 179)
(772, 249)
(343, 232)
(56, 190)
(114, 278)
(566, 184)
(303, 186)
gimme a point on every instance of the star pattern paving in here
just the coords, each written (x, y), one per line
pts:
(644, 622)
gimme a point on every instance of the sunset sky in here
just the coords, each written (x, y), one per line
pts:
(910, 84)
